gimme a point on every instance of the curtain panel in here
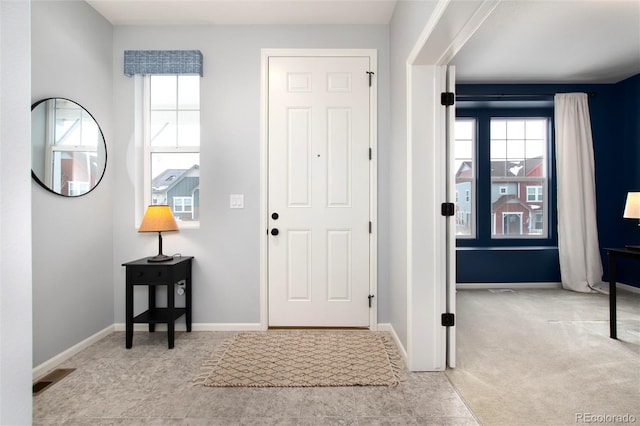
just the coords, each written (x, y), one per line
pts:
(578, 245)
(162, 62)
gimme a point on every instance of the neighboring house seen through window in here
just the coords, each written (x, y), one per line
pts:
(518, 152)
(464, 149)
(172, 143)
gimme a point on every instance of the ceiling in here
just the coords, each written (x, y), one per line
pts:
(244, 12)
(566, 41)
(522, 41)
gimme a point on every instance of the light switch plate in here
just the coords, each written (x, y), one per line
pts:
(236, 201)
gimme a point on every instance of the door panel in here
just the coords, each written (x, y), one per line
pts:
(451, 223)
(318, 161)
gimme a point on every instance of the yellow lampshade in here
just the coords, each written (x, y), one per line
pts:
(632, 207)
(158, 218)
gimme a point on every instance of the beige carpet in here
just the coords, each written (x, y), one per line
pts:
(544, 357)
(283, 359)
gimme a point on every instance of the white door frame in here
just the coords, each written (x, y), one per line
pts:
(450, 26)
(372, 54)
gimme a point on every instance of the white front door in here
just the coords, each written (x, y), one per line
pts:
(318, 191)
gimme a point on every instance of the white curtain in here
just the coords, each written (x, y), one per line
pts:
(580, 262)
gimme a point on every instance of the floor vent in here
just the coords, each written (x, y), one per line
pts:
(501, 290)
(51, 378)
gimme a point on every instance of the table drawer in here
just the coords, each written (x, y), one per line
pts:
(149, 275)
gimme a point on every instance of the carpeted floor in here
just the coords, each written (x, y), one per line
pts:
(544, 357)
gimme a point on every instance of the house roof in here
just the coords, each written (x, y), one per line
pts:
(170, 177)
(531, 167)
(509, 199)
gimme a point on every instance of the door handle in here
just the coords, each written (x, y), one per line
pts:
(275, 232)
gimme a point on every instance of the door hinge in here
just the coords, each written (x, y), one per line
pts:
(448, 209)
(447, 98)
(371, 73)
(371, 296)
(370, 227)
(448, 320)
(370, 153)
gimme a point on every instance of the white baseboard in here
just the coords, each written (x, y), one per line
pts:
(620, 286)
(50, 364)
(181, 326)
(387, 327)
(514, 286)
(628, 288)
(522, 286)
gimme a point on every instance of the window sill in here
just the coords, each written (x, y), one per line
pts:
(508, 248)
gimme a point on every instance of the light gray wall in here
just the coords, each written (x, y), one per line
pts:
(407, 23)
(15, 213)
(226, 246)
(72, 237)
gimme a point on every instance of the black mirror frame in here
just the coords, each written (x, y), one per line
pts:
(104, 142)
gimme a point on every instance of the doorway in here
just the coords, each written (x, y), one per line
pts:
(320, 188)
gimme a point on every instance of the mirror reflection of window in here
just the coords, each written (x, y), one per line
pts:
(68, 149)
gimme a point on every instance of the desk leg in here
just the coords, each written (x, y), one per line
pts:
(129, 316)
(152, 305)
(188, 298)
(612, 297)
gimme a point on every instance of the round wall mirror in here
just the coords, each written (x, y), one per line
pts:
(68, 151)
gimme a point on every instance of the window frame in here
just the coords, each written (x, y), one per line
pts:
(521, 181)
(149, 150)
(484, 219)
(470, 195)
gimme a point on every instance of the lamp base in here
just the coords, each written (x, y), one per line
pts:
(160, 258)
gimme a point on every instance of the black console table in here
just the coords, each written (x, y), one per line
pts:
(614, 253)
(143, 272)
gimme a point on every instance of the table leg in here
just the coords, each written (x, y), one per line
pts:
(129, 315)
(152, 305)
(171, 322)
(612, 297)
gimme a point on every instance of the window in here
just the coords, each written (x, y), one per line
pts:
(518, 156)
(172, 143)
(534, 193)
(78, 187)
(464, 148)
(182, 204)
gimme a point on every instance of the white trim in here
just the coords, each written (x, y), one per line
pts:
(426, 228)
(537, 285)
(181, 326)
(372, 54)
(627, 287)
(53, 362)
(619, 286)
(513, 286)
(388, 328)
(451, 24)
(468, 30)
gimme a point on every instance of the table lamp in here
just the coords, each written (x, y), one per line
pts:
(158, 218)
(632, 211)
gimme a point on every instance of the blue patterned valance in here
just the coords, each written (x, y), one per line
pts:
(162, 62)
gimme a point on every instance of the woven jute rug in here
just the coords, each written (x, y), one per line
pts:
(303, 359)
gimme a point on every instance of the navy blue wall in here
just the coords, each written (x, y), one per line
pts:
(627, 94)
(615, 124)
